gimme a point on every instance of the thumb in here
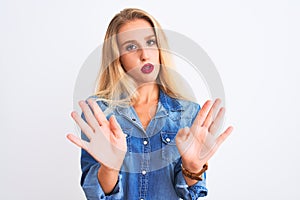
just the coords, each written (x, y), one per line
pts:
(77, 141)
(182, 134)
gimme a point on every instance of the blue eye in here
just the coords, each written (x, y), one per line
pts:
(151, 42)
(131, 47)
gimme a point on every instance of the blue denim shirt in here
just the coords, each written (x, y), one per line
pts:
(152, 165)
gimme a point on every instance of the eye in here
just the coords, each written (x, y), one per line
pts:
(151, 42)
(131, 47)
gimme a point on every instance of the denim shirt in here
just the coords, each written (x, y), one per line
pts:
(152, 164)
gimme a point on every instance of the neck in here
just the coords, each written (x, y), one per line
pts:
(148, 94)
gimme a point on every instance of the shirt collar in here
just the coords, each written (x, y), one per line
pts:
(166, 104)
(169, 103)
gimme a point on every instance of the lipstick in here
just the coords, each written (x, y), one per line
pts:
(147, 68)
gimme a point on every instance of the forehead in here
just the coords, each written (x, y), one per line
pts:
(133, 30)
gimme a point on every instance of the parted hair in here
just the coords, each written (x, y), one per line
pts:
(113, 84)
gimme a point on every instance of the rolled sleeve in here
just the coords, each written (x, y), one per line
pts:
(198, 189)
(182, 189)
(93, 190)
(189, 192)
(89, 178)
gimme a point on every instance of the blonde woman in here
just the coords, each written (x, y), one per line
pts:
(141, 138)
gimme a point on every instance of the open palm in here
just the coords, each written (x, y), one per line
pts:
(107, 142)
(198, 143)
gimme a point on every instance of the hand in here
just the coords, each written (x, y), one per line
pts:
(198, 143)
(107, 142)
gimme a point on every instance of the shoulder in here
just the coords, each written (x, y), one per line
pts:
(185, 108)
(190, 108)
(186, 113)
(177, 104)
(186, 104)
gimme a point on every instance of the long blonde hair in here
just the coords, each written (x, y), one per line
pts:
(113, 84)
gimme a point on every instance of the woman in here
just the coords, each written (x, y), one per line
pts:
(141, 139)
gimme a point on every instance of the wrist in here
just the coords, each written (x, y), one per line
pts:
(194, 175)
(193, 166)
(107, 169)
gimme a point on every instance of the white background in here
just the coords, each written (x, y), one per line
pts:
(253, 44)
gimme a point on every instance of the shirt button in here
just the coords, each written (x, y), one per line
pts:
(144, 172)
(133, 119)
(168, 140)
(145, 142)
(141, 199)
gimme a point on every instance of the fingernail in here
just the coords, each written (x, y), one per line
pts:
(73, 114)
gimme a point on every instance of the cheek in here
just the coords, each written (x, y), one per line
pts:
(127, 61)
(155, 55)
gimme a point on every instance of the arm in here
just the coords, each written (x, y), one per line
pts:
(90, 180)
(198, 143)
(107, 178)
(100, 171)
(188, 189)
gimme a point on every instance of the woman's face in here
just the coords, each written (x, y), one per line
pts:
(138, 50)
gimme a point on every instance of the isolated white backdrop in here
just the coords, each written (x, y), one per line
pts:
(253, 44)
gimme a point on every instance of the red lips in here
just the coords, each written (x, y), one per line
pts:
(147, 68)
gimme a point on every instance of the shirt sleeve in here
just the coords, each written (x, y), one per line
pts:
(90, 183)
(182, 189)
(89, 178)
(188, 192)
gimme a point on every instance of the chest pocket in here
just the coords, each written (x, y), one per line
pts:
(168, 149)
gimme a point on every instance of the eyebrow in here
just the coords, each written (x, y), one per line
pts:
(133, 41)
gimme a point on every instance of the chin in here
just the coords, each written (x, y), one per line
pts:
(147, 79)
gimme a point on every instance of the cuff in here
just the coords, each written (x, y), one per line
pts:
(191, 192)
(93, 189)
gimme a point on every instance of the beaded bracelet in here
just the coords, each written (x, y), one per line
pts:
(194, 176)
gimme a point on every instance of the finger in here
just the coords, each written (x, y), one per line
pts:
(224, 135)
(115, 127)
(100, 117)
(86, 129)
(211, 113)
(77, 141)
(89, 116)
(215, 125)
(183, 140)
(218, 143)
(182, 135)
(202, 114)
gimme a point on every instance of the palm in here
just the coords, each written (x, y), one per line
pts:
(107, 143)
(198, 143)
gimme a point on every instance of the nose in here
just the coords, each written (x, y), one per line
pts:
(144, 54)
